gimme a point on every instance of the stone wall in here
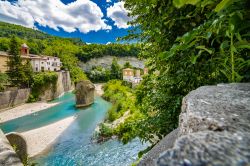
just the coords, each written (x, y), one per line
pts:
(13, 97)
(8, 156)
(63, 85)
(214, 129)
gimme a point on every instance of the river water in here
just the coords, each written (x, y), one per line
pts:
(74, 146)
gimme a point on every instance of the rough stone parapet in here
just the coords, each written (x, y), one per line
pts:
(214, 128)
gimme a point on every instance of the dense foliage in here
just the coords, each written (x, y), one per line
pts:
(188, 44)
(8, 30)
(67, 49)
(19, 70)
(59, 47)
(101, 74)
(114, 49)
(121, 96)
(40, 82)
(3, 81)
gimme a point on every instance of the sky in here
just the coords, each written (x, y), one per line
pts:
(94, 21)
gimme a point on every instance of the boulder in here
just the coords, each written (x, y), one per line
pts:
(214, 128)
(84, 93)
(18, 141)
(8, 156)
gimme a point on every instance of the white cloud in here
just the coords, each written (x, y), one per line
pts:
(119, 15)
(108, 1)
(84, 15)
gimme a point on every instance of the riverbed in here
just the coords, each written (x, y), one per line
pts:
(74, 145)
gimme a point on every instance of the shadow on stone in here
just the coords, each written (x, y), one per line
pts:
(19, 145)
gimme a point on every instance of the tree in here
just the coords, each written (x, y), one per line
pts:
(20, 74)
(127, 65)
(191, 44)
(115, 69)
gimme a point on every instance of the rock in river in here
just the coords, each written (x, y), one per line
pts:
(84, 93)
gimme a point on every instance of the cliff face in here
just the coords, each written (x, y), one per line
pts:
(63, 84)
(13, 97)
(106, 62)
(214, 129)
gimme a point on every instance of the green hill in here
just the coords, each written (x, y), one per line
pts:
(8, 30)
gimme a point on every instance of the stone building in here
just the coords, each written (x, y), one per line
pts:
(128, 74)
(133, 76)
(39, 63)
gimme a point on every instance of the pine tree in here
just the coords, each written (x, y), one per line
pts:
(115, 70)
(20, 75)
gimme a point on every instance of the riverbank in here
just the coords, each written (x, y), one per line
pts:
(98, 89)
(23, 110)
(40, 140)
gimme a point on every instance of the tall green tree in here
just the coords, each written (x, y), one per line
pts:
(191, 44)
(20, 74)
(115, 69)
(127, 65)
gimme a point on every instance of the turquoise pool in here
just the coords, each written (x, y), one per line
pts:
(74, 146)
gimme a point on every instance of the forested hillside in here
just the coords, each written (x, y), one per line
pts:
(69, 50)
(8, 30)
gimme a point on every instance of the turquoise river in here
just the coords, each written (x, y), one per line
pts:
(74, 147)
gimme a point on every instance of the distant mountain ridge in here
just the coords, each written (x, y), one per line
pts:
(8, 30)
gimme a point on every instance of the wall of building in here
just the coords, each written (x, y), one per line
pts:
(3, 63)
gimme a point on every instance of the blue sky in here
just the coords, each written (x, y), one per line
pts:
(94, 21)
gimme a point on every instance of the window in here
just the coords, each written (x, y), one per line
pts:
(42, 68)
(49, 69)
(36, 68)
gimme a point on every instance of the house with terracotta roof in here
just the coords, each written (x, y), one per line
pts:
(39, 63)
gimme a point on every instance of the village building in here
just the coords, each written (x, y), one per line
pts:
(133, 76)
(39, 63)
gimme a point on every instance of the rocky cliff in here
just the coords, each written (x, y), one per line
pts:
(63, 84)
(13, 97)
(106, 62)
(214, 129)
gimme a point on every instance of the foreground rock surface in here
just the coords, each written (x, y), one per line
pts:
(8, 157)
(214, 128)
(84, 93)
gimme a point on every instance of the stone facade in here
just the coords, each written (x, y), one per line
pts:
(84, 93)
